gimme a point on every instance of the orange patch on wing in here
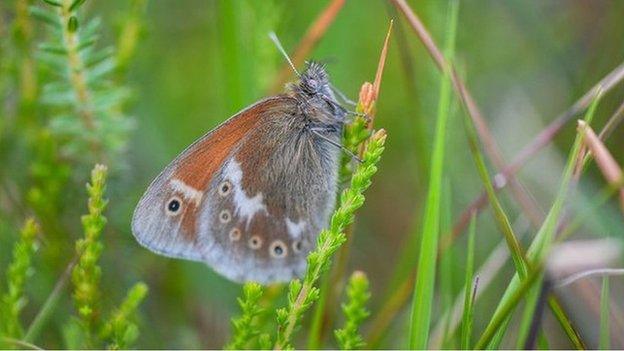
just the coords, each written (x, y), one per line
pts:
(207, 155)
(201, 160)
(189, 218)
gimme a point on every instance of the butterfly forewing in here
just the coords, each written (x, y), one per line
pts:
(170, 229)
(239, 198)
(250, 197)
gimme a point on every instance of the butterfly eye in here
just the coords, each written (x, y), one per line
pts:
(225, 188)
(278, 249)
(255, 242)
(225, 216)
(173, 206)
(312, 85)
(235, 234)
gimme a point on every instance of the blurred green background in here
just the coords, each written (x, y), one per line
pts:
(199, 61)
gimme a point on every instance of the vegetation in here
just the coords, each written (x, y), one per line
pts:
(464, 236)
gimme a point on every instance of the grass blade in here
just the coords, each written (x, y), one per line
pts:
(446, 267)
(425, 278)
(499, 214)
(528, 316)
(604, 343)
(466, 329)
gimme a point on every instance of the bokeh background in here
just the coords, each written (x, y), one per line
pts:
(197, 62)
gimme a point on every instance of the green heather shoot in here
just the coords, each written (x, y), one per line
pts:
(244, 327)
(355, 312)
(87, 273)
(20, 268)
(301, 294)
(120, 331)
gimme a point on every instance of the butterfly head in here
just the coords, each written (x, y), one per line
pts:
(315, 80)
(317, 98)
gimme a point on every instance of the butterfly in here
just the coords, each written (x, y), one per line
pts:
(250, 197)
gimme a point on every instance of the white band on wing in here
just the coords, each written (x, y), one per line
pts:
(187, 191)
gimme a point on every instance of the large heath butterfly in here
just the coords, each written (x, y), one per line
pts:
(250, 197)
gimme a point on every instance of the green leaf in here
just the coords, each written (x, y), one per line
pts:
(72, 24)
(45, 16)
(75, 5)
(56, 3)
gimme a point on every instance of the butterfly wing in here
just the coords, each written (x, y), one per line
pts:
(172, 231)
(248, 198)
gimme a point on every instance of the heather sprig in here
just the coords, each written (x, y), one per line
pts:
(121, 331)
(83, 99)
(87, 273)
(13, 300)
(301, 294)
(245, 328)
(355, 312)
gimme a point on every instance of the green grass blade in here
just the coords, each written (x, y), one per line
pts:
(604, 343)
(499, 214)
(466, 329)
(506, 307)
(539, 246)
(446, 266)
(527, 316)
(565, 323)
(425, 281)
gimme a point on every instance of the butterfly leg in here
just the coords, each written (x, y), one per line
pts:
(318, 132)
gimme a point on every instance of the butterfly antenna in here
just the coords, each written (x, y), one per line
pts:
(277, 43)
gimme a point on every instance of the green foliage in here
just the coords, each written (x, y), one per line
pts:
(87, 273)
(65, 102)
(14, 300)
(54, 133)
(120, 332)
(422, 302)
(536, 254)
(245, 328)
(301, 295)
(84, 100)
(355, 312)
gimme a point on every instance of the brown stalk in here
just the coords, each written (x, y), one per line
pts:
(605, 161)
(612, 123)
(606, 131)
(313, 35)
